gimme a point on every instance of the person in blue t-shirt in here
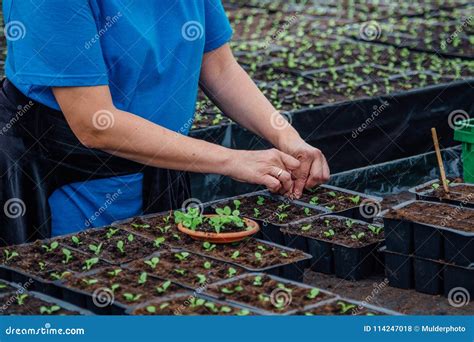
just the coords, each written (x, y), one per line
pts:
(125, 75)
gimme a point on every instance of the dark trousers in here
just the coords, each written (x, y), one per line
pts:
(39, 153)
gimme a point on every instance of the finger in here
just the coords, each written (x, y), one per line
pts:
(316, 175)
(289, 162)
(271, 183)
(285, 179)
(301, 175)
(326, 171)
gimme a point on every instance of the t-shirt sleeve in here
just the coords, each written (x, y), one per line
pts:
(57, 43)
(218, 29)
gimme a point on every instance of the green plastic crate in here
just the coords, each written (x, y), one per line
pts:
(464, 133)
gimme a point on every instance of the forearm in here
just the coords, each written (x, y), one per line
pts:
(102, 126)
(238, 97)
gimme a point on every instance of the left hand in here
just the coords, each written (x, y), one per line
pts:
(313, 170)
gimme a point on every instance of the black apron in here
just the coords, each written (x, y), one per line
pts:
(40, 153)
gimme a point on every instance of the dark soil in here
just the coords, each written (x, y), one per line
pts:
(190, 306)
(9, 305)
(269, 210)
(187, 268)
(134, 246)
(340, 308)
(265, 293)
(436, 214)
(128, 282)
(461, 193)
(346, 231)
(34, 260)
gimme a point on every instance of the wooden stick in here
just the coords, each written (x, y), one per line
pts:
(440, 160)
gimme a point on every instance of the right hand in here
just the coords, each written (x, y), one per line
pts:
(271, 168)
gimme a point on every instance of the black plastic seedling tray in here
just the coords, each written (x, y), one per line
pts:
(334, 258)
(279, 279)
(428, 195)
(426, 275)
(292, 271)
(367, 210)
(53, 301)
(429, 241)
(185, 298)
(270, 231)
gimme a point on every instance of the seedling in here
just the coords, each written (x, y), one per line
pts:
(163, 287)
(207, 265)
(59, 276)
(261, 248)
(75, 240)
(231, 272)
(235, 255)
(111, 232)
(96, 249)
(358, 236)
(350, 223)
(142, 278)
(181, 256)
(207, 246)
(355, 199)
(130, 237)
(257, 281)
(67, 255)
(329, 233)
(90, 282)
(227, 290)
(281, 216)
(115, 272)
(180, 271)
(114, 287)
(51, 247)
(345, 307)
(158, 241)
(284, 254)
(332, 194)
(49, 310)
(42, 265)
(306, 227)
(140, 226)
(10, 255)
(307, 211)
(243, 312)
(20, 299)
(153, 262)
(121, 246)
(258, 256)
(314, 200)
(256, 212)
(130, 297)
(260, 200)
(190, 219)
(237, 204)
(225, 216)
(89, 263)
(313, 293)
(375, 229)
(201, 279)
(151, 309)
(330, 207)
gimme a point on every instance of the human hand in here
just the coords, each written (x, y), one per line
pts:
(271, 168)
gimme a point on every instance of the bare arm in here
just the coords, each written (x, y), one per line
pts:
(229, 86)
(97, 123)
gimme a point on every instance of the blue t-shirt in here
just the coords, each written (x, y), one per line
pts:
(149, 52)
